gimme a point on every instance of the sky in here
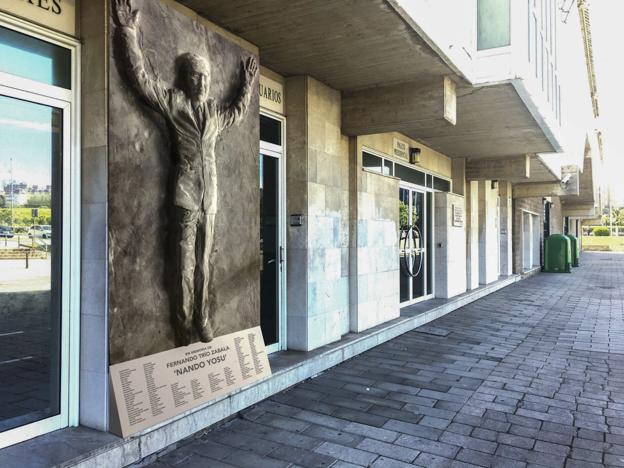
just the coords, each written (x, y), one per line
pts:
(25, 138)
(606, 25)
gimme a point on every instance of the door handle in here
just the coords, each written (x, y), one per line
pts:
(281, 254)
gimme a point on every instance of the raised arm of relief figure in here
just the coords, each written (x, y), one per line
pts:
(234, 112)
(150, 88)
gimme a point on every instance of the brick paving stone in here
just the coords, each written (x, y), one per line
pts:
(377, 433)
(388, 450)
(302, 457)
(348, 454)
(429, 446)
(532, 375)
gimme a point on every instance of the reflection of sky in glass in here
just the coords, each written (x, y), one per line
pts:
(26, 64)
(25, 136)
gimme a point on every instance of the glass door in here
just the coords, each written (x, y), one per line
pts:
(33, 324)
(272, 233)
(414, 245)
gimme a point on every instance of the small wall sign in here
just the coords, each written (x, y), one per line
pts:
(458, 215)
(54, 14)
(271, 95)
(400, 149)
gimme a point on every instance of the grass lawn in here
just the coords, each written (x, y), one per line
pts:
(613, 244)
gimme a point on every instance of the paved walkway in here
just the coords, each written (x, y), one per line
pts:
(532, 375)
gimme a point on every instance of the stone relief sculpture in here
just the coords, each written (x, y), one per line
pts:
(195, 122)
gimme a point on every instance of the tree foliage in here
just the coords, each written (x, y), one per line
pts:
(22, 217)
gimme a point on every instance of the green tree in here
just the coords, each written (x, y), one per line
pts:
(38, 200)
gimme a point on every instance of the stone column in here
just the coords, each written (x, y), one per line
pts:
(318, 187)
(472, 234)
(450, 250)
(505, 229)
(488, 233)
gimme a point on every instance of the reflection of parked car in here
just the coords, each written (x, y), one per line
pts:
(44, 231)
(6, 231)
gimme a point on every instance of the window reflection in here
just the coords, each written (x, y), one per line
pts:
(30, 155)
(33, 59)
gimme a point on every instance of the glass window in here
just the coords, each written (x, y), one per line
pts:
(409, 175)
(33, 59)
(372, 162)
(270, 130)
(441, 184)
(30, 264)
(388, 167)
(493, 24)
(429, 181)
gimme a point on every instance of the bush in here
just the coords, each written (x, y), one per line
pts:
(603, 231)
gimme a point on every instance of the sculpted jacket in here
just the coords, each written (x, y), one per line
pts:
(193, 131)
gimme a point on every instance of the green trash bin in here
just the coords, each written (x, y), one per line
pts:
(574, 249)
(557, 254)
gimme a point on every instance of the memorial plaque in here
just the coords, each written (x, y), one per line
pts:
(155, 388)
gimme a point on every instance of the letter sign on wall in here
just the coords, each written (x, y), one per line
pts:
(400, 149)
(458, 216)
(54, 14)
(271, 95)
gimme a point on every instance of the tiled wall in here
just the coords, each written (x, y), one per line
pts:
(450, 247)
(374, 293)
(94, 188)
(318, 187)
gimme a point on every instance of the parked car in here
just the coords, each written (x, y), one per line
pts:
(44, 231)
(6, 231)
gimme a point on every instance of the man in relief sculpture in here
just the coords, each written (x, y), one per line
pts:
(195, 122)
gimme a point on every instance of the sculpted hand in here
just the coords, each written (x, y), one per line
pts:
(125, 15)
(250, 66)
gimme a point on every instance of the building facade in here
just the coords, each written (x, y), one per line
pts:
(372, 162)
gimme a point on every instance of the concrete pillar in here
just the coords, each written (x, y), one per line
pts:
(472, 234)
(318, 188)
(537, 236)
(450, 252)
(505, 229)
(488, 233)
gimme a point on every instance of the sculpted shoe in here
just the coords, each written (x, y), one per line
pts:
(205, 333)
(184, 335)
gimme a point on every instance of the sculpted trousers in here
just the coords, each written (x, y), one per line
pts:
(194, 249)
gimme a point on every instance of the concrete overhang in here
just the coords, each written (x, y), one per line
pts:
(527, 168)
(587, 190)
(567, 186)
(580, 211)
(376, 55)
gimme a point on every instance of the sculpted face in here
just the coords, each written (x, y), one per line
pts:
(197, 77)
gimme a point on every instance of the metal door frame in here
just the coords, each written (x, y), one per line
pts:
(424, 191)
(279, 152)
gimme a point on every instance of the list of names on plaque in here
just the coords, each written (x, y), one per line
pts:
(242, 358)
(156, 404)
(255, 354)
(155, 388)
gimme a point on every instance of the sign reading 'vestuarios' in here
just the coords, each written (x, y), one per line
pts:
(155, 388)
(271, 94)
(54, 14)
